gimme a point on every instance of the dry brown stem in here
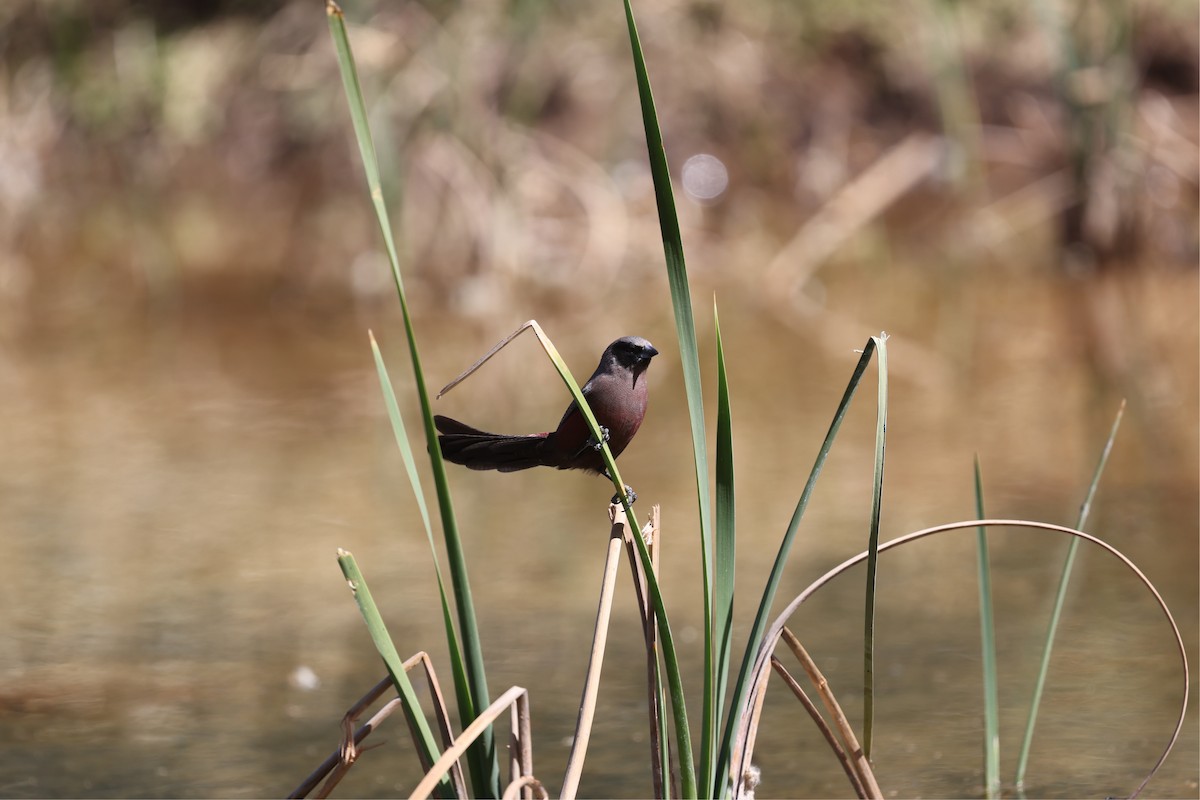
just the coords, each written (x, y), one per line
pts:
(826, 731)
(587, 705)
(340, 761)
(859, 762)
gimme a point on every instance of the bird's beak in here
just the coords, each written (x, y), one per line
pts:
(649, 351)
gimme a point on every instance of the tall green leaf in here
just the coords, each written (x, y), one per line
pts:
(427, 747)
(481, 760)
(462, 686)
(1060, 599)
(873, 552)
(987, 635)
(724, 557)
(754, 640)
(685, 329)
(670, 656)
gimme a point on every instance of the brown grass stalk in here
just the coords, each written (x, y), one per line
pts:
(823, 726)
(650, 534)
(739, 763)
(452, 754)
(520, 765)
(525, 785)
(340, 761)
(587, 704)
(861, 766)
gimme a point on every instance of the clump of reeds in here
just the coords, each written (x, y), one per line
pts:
(718, 763)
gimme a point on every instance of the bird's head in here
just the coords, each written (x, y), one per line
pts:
(631, 352)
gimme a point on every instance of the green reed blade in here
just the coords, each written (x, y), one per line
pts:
(724, 556)
(987, 635)
(873, 550)
(462, 687)
(754, 640)
(427, 747)
(685, 330)
(481, 759)
(1060, 598)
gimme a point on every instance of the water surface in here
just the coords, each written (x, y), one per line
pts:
(173, 492)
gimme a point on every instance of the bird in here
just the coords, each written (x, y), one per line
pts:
(617, 395)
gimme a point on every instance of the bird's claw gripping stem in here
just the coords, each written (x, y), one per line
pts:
(629, 492)
(598, 446)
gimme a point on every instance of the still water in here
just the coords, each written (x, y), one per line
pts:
(173, 491)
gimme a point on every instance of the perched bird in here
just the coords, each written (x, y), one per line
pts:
(616, 393)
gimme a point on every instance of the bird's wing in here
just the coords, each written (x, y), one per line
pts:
(573, 427)
(573, 409)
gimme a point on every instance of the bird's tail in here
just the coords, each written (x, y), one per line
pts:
(476, 449)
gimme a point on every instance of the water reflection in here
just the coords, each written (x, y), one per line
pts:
(173, 499)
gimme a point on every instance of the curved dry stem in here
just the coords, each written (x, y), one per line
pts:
(762, 659)
(452, 754)
(340, 761)
(349, 752)
(514, 789)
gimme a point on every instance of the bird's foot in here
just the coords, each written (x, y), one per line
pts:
(629, 492)
(598, 446)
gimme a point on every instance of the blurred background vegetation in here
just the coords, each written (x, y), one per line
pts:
(154, 150)
(188, 265)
